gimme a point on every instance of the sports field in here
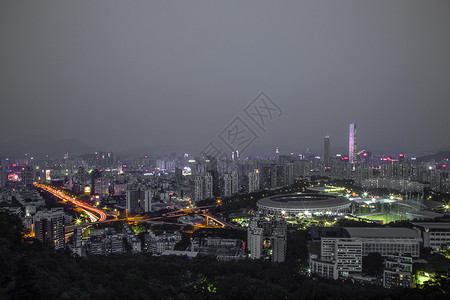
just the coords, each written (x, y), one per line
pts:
(385, 218)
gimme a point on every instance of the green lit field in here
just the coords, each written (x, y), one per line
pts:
(243, 220)
(385, 218)
(422, 277)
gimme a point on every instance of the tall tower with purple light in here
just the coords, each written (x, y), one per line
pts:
(352, 144)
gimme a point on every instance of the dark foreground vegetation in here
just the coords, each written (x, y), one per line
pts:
(32, 270)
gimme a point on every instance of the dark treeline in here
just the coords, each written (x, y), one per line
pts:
(32, 270)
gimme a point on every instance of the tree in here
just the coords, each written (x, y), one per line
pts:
(372, 263)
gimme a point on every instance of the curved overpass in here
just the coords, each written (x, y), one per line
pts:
(61, 195)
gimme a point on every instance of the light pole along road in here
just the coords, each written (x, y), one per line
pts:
(61, 195)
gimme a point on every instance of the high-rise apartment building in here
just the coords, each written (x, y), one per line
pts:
(398, 272)
(49, 226)
(226, 185)
(266, 238)
(326, 151)
(28, 176)
(234, 182)
(77, 242)
(197, 188)
(208, 185)
(139, 199)
(2, 172)
(253, 181)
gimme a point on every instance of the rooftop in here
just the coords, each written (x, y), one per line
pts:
(382, 232)
(304, 201)
(432, 225)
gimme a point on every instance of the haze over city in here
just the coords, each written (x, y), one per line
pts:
(224, 150)
(174, 74)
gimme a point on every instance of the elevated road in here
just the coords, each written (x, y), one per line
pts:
(88, 208)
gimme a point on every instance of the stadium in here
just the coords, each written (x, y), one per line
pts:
(304, 205)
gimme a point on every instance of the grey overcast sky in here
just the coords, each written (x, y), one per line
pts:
(120, 74)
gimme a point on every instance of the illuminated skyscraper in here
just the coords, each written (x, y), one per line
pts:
(326, 151)
(352, 144)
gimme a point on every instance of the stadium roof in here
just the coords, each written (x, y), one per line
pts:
(304, 201)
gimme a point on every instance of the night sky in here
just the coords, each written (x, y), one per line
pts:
(122, 74)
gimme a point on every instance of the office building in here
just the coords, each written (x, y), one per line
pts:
(386, 241)
(338, 252)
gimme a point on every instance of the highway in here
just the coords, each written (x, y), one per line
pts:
(221, 222)
(91, 211)
(99, 216)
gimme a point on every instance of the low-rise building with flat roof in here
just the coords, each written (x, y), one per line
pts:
(435, 235)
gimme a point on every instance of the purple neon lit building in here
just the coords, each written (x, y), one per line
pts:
(352, 144)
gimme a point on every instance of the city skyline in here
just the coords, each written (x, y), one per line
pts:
(225, 149)
(41, 145)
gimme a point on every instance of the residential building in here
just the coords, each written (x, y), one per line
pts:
(49, 226)
(398, 272)
(266, 238)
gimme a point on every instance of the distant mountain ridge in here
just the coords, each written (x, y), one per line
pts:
(42, 145)
(155, 150)
(438, 156)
